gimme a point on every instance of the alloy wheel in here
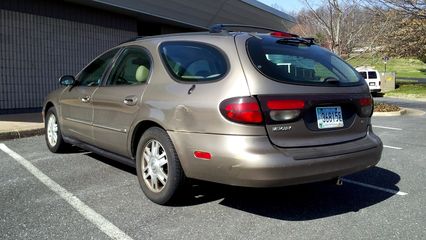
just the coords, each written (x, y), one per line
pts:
(154, 166)
(52, 130)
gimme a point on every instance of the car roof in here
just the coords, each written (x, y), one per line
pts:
(366, 68)
(225, 30)
(174, 35)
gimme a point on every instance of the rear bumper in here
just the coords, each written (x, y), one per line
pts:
(253, 161)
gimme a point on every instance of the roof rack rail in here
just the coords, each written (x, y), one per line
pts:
(132, 39)
(218, 28)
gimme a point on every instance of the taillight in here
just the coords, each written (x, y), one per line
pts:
(285, 110)
(365, 102)
(242, 110)
(366, 107)
(283, 35)
(285, 104)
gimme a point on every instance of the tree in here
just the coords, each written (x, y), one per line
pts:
(341, 23)
(405, 36)
(413, 8)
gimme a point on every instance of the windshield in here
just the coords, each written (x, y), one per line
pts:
(300, 63)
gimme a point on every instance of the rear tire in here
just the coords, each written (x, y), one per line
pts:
(53, 134)
(160, 174)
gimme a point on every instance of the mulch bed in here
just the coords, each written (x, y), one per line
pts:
(385, 107)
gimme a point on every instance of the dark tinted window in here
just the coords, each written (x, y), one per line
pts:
(133, 68)
(372, 75)
(299, 63)
(191, 61)
(363, 74)
(92, 74)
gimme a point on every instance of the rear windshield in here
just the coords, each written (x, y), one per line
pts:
(193, 61)
(363, 74)
(300, 63)
(372, 75)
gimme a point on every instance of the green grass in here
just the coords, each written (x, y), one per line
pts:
(409, 91)
(404, 67)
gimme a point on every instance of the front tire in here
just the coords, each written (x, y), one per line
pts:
(160, 174)
(53, 135)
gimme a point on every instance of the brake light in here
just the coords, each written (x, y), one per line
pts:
(242, 110)
(285, 110)
(365, 102)
(283, 34)
(366, 107)
(285, 104)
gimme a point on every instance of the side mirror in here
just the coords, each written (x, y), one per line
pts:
(67, 80)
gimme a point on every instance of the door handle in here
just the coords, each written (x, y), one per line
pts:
(85, 99)
(130, 100)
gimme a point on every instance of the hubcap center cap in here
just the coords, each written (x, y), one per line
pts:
(153, 165)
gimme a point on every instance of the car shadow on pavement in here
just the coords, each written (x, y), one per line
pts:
(301, 202)
(291, 203)
(317, 200)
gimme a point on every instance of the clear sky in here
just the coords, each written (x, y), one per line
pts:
(288, 5)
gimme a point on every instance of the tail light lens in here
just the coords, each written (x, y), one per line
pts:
(367, 107)
(285, 104)
(283, 35)
(365, 102)
(242, 110)
(285, 110)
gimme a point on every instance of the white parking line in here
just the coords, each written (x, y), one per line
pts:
(102, 223)
(390, 128)
(375, 187)
(397, 148)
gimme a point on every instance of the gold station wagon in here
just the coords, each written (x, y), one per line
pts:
(238, 108)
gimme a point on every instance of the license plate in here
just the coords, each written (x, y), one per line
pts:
(329, 117)
(372, 84)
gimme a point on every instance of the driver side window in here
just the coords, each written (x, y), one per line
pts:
(92, 74)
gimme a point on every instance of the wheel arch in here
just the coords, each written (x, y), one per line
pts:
(46, 108)
(137, 133)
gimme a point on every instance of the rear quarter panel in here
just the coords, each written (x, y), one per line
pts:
(167, 102)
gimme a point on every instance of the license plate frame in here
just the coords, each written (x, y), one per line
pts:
(329, 117)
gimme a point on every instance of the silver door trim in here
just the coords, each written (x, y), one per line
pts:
(110, 128)
(78, 121)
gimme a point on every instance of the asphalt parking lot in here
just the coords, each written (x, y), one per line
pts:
(81, 195)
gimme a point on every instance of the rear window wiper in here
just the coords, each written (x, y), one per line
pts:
(331, 80)
(297, 40)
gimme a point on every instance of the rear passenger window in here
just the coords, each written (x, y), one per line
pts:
(191, 61)
(372, 75)
(133, 68)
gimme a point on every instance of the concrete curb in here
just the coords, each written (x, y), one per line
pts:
(390, 114)
(414, 112)
(14, 134)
